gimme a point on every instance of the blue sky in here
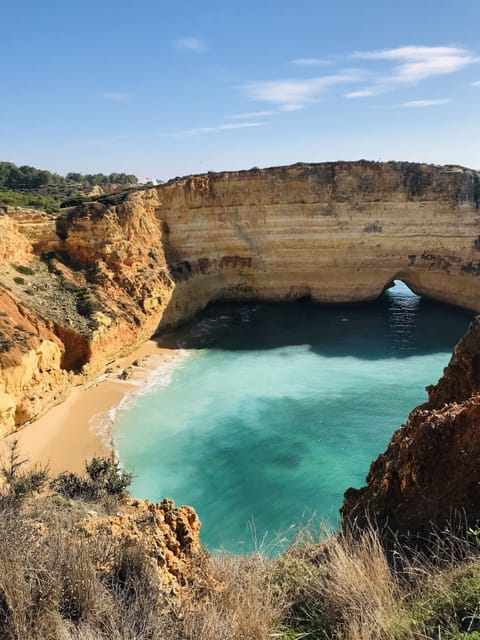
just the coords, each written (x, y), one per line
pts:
(162, 89)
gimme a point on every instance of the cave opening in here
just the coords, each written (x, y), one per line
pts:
(399, 286)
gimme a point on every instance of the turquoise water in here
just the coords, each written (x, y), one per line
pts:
(278, 409)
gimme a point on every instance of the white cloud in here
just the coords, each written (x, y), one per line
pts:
(364, 93)
(250, 114)
(424, 103)
(476, 83)
(228, 126)
(117, 96)
(310, 62)
(412, 65)
(188, 43)
(292, 94)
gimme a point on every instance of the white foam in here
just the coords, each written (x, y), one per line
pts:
(154, 372)
(208, 325)
(101, 378)
(291, 349)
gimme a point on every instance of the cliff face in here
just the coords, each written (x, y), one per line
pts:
(336, 232)
(117, 271)
(31, 354)
(430, 472)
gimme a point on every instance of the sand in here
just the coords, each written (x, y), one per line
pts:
(68, 434)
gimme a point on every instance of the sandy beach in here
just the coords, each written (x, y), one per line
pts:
(78, 428)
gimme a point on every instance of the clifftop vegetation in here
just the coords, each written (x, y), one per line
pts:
(27, 186)
(83, 562)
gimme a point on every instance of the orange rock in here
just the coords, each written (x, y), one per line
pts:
(169, 536)
(430, 472)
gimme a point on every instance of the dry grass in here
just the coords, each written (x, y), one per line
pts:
(51, 587)
(246, 607)
(340, 588)
(56, 584)
(359, 590)
(349, 588)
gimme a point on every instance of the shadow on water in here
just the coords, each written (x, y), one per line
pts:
(398, 324)
(282, 407)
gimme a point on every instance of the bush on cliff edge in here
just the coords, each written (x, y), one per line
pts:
(103, 477)
(54, 584)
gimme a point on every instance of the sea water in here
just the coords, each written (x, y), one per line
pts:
(274, 410)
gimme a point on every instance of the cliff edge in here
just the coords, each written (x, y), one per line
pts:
(82, 288)
(430, 473)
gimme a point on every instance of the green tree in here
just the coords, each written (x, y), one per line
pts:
(75, 176)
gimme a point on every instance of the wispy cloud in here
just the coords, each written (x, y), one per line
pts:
(188, 43)
(293, 94)
(250, 114)
(413, 64)
(117, 96)
(310, 62)
(424, 103)
(227, 126)
(364, 93)
(419, 63)
(476, 83)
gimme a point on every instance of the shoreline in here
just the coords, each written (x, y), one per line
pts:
(79, 427)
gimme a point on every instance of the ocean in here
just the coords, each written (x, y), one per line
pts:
(270, 412)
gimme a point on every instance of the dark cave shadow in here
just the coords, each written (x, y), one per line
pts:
(395, 325)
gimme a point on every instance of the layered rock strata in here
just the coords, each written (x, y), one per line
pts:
(118, 270)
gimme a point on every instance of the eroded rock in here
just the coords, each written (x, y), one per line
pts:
(429, 476)
(167, 535)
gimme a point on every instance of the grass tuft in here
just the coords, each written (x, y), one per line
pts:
(59, 582)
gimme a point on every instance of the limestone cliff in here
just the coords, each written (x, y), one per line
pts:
(430, 472)
(120, 269)
(166, 535)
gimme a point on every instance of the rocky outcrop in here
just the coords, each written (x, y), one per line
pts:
(122, 268)
(107, 188)
(461, 379)
(167, 536)
(430, 472)
(31, 374)
(35, 230)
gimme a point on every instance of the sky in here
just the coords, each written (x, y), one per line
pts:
(163, 89)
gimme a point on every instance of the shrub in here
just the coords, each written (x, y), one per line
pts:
(29, 200)
(5, 343)
(71, 485)
(19, 280)
(20, 483)
(74, 201)
(104, 477)
(27, 271)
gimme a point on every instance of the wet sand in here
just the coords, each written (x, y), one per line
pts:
(68, 434)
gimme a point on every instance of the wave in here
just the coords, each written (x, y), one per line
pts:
(154, 372)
